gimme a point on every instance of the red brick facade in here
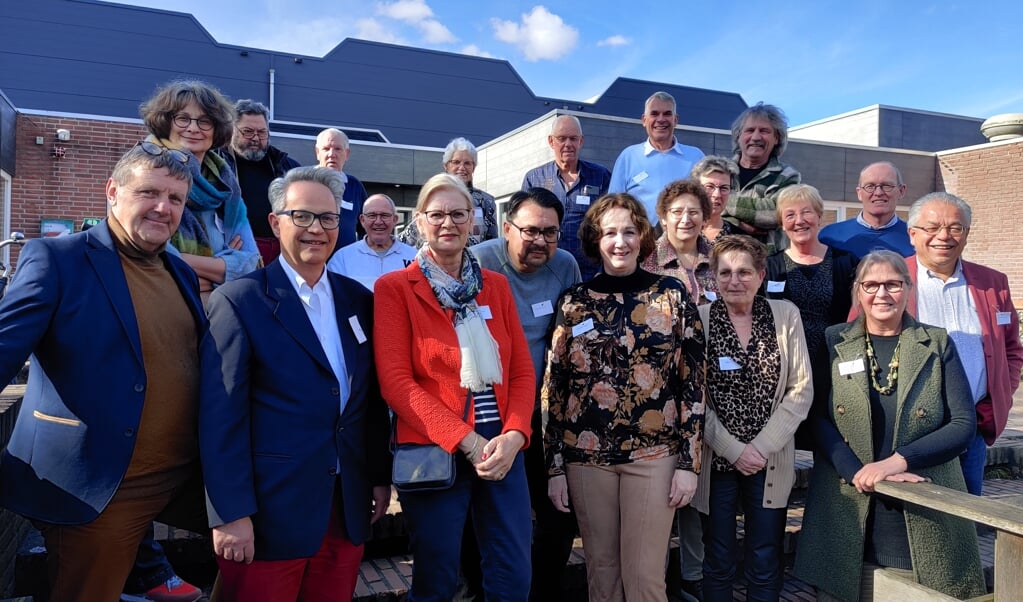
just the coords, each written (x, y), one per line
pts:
(990, 179)
(71, 187)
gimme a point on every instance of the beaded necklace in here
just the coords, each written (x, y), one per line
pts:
(893, 369)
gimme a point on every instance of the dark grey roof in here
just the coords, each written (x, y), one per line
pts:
(91, 57)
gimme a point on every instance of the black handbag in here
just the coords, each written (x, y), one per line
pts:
(422, 466)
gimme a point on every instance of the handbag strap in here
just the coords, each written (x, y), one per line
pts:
(394, 420)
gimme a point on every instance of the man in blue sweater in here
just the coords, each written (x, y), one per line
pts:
(876, 227)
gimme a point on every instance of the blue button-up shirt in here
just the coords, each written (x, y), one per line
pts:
(593, 183)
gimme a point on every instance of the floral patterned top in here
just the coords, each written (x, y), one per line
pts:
(741, 382)
(624, 377)
(698, 281)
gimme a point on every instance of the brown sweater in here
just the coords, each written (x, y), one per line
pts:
(168, 431)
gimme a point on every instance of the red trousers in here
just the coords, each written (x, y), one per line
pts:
(329, 575)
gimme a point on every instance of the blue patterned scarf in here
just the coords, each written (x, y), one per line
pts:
(481, 361)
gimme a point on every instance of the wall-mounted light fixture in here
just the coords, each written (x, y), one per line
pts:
(63, 135)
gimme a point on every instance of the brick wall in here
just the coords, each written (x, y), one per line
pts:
(990, 178)
(71, 187)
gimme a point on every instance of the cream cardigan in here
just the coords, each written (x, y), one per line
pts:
(792, 399)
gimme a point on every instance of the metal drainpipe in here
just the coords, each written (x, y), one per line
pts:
(273, 80)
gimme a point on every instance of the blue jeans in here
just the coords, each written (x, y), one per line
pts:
(500, 514)
(764, 527)
(151, 566)
(973, 461)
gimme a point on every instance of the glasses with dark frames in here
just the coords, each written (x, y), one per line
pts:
(305, 219)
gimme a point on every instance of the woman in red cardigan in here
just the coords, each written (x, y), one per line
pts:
(448, 335)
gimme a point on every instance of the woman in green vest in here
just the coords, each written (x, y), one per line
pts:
(900, 409)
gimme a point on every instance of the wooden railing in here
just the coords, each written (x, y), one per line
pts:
(1005, 515)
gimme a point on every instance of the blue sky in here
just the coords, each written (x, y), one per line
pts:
(812, 59)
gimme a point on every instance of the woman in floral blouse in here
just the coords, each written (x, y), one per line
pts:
(624, 399)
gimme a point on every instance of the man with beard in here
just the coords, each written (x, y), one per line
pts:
(257, 163)
(538, 271)
(759, 137)
(379, 251)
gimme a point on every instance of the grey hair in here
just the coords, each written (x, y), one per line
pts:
(763, 111)
(660, 95)
(247, 106)
(574, 119)
(458, 144)
(898, 174)
(321, 175)
(881, 257)
(945, 198)
(124, 170)
(716, 164)
(335, 133)
(390, 201)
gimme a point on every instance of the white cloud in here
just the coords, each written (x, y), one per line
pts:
(314, 37)
(373, 30)
(615, 40)
(541, 35)
(474, 50)
(409, 11)
(418, 14)
(434, 32)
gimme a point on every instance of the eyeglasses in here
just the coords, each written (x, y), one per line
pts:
(885, 188)
(455, 163)
(249, 133)
(182, 120)
(953, 230)
(156, 150)
(892, 286)
(305, 219)
(742, 275)
(723, 188)
(678, 213)
(531, 234)
(564, 139)
(436, 218)
(372, 217)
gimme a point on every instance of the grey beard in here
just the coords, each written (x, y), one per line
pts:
(251, 154)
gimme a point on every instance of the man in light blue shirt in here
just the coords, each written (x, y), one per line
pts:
(643, 170)
(377, 253)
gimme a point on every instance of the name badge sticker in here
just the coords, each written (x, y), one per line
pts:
(485, 312)
(543, 308)
(727, 363)
(710, 295)
(636, 179)
(851, 367)
(582, 327)
(582, 199)
(775, 286)
(347, 205)
(357, 329)
(479, 212)
(1003, 318)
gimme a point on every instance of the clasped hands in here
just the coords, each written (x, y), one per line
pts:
(492, 458)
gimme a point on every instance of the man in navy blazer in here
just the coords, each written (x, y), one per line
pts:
(107, 436)
(301, 433)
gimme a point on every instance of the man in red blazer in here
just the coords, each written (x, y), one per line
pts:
(972, 302)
